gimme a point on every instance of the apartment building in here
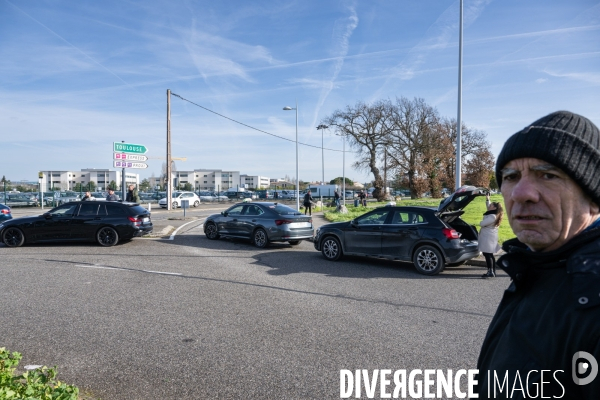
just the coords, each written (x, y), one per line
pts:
(66, 180)
(254, 182)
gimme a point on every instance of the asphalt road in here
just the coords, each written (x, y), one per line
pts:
(182, 317)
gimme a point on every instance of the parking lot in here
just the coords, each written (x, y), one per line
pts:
(177, 316)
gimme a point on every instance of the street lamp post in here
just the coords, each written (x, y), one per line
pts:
(322, 128)
(343, 168)
(286, 108)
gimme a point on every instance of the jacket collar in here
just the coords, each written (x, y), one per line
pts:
(522, 264)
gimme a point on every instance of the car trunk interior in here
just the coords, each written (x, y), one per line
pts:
(467, 231)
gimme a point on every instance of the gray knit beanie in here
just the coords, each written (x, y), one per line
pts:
(566, 140)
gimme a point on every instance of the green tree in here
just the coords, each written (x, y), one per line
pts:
(339, 180)
(145, 185)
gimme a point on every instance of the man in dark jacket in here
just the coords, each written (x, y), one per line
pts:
(544, 341)
(132, 195)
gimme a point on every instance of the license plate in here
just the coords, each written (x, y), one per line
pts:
(146, 219)
(300, 225)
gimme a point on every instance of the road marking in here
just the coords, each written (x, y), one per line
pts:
(172, 237)
(125, 269)
(163, 273)
(97, 266)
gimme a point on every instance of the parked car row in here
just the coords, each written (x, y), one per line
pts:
(430, 238)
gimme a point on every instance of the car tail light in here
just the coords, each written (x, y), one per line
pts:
(136, 221)
(282, 221)
(5, 211)
(450, 233)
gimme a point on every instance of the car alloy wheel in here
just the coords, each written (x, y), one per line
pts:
(107, 236)
(331, 248)
(13, 237)
(196, 203)
(261, 240)
(175, 205)
(211, 231)
(428, 260)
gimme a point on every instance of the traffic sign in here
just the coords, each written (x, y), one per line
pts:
(129, 164)
(129, 148)
(129, 157)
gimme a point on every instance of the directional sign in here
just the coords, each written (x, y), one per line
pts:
(129, 164)
(129, 157)
(129, 148)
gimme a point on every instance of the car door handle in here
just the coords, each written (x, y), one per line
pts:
(98, 218)
(235, 219)
(253, 220)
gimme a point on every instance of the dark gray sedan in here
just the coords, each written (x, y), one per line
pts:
(261, 222)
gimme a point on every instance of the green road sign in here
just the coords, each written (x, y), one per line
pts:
(129, 148)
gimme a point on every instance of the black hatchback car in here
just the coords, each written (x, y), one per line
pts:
(429, 237)
(104, 222)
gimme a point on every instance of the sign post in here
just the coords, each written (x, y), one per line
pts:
(125, 156)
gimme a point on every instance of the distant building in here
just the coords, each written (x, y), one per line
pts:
(207, 179)
(66, 180)
(254, 181)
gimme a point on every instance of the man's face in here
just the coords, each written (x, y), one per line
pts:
(545, 207)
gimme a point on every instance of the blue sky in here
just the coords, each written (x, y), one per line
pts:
(80, 75)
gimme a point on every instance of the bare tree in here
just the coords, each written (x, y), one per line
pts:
(410, 141)
(479, 169)
(367, 128)
(473, 144)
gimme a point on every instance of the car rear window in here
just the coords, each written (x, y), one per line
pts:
(113, 209)
(137, 209)
(283, 210)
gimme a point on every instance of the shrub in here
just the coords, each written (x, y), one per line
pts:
(39, 383)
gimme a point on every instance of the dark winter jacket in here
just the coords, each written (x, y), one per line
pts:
(550, 312)
(308, 199)
(132, 196)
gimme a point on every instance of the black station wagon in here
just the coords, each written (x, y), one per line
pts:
(104, 222)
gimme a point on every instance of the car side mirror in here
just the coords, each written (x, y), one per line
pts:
(224, 213)
(353, 223)
(47, 215)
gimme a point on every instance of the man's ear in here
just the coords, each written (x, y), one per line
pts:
(594, 209)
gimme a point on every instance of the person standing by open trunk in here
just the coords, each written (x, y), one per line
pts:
(488, 235)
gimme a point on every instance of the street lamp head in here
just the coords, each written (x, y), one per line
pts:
(287, 108)
(322, 126)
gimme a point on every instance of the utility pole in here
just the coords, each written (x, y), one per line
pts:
(168, 180)
(459, 114)
(322, 127)
(123, 181)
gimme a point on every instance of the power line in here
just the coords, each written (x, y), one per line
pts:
(251, 127)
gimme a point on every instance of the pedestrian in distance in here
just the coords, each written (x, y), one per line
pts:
(87, 197)
(276, 195)
(488, 235)
(545, 336)
(363, 198)
(336, 198)
(132, 195)
(111, 195)
(308, 200)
